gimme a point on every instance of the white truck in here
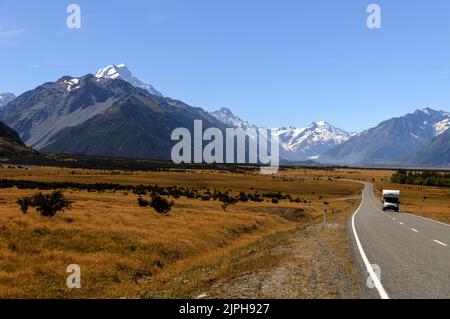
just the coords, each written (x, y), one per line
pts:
(391, 200)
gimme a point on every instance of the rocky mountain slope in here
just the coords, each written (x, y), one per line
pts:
(100, 116)
(435, 153)
(391, 141)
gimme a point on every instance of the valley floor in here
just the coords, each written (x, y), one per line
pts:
(201, 249)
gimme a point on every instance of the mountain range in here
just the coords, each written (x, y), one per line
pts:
(92, 115)
(112, 113)
(393, 141)
(296, 144)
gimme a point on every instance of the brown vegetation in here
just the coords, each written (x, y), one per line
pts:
(125, 250)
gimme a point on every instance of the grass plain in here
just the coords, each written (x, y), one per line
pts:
(126, 251)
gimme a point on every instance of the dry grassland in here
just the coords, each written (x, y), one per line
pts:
(127, 251)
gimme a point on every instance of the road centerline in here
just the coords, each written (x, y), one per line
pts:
(440, 243)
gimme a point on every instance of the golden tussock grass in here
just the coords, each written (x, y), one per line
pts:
(127, 251)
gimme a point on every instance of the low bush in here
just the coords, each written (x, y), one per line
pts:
(46, 204)
(143, 202)
(160, 204)
(24, 204)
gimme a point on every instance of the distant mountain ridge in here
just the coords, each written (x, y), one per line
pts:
(113, 113)
(296, 144)
(391, 141)
(92, 115)
(5, 98)
(312, 141)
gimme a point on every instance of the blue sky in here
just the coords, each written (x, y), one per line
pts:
(275, 63)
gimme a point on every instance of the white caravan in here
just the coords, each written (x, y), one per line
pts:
(391, 200)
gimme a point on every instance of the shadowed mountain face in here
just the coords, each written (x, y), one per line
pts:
(38, 115)
(8, 133)
(391, 141)
(97, 116)
(435, 153)
(10, 142)
(136, 126)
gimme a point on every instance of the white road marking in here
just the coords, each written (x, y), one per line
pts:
(432, 220)
(414, 215)
(375, 279)
(439, 242)
(382, 292)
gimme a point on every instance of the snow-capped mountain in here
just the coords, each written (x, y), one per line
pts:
(122, 72)
(91, 115)
(392, 140)
(41, 114)
(5, 98)
(312, 141)
(296, 144)
(227, 117)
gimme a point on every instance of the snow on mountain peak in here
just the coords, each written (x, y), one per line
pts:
(439, 119)
(72, 84)
(442, 126)
(431, 112)
(425, 110)
(122, 72)
(5, 98)
(310, 142)
(295, 143)
(227, 117)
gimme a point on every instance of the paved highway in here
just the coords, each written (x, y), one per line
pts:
(412, 253)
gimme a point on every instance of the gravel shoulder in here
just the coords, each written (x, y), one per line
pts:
(312, 262)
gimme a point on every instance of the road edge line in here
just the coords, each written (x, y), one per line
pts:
(383, 294)
(432, 220)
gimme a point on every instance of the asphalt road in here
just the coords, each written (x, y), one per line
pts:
(412, 253)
